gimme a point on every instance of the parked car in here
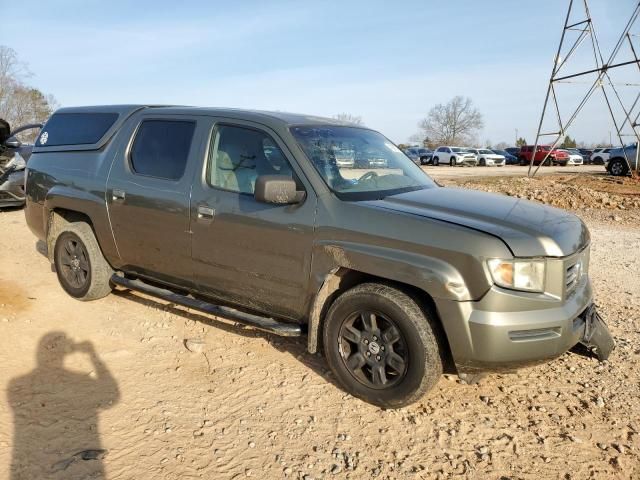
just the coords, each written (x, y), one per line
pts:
(419, 155)
(454, 156)
(600, 156)
(426, 156)
(413, 154)
(575, 158)
(394, 274)
(344, 158)
(515, 151)
(586, 155)
(556, 157)
(13, 160)
(620, 159)
(487, 158)
(509, 159)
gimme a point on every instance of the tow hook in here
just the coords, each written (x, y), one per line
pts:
(597, 337)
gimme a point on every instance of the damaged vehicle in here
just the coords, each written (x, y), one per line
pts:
(250, 216)
(13, 159)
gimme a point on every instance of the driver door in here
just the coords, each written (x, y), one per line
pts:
(246, 252)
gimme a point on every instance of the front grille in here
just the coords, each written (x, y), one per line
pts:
(572, 276)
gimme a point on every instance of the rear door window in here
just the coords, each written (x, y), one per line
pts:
(75, 128)
(161, 148)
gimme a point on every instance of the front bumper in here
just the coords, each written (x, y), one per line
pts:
(506, 330)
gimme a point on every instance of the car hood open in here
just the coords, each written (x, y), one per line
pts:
(528, 229)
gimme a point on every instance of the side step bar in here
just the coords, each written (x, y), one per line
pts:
(265, 324)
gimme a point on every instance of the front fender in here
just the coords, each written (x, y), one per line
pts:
(332, 259)
(437, 277)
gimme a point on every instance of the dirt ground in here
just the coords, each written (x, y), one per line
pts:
(108, 389)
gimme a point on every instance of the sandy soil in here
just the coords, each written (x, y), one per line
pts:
(108, 389)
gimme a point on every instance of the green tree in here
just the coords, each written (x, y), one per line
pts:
(569, 142)
(520, 142)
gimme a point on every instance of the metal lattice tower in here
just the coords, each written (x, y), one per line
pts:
(601, 69)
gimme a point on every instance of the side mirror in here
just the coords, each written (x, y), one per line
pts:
(12, 142)
(278, 189)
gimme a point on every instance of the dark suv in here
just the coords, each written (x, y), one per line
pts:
(247, 215)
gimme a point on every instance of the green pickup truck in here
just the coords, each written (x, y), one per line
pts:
(249, 216)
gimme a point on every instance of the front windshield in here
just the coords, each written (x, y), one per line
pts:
(486, 151)
(458, 150)
(379, 169)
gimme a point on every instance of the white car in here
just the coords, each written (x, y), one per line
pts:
(487, 158)
(454, 156)
(600, 156)
(574, 157)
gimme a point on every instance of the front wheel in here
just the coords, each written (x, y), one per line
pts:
(452, 162)
(82, 270)
(618, 168)
(382, 346)
(483, 162)
(435, 161)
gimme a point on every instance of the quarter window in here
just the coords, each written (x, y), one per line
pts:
(238, 156)
(161, 148)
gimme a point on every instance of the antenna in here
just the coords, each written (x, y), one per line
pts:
(603, 79)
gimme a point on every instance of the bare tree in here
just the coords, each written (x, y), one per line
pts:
(20, 103)
(456, 122)
(501, 145)
(349, 118)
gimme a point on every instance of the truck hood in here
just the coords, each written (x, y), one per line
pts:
(527, 228)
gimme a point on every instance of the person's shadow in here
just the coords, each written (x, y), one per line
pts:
(55, 414)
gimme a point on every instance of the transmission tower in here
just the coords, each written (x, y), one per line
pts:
(601, 69)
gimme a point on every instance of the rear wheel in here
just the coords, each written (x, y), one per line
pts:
(382, 346)
(82, 270)
(435, 162)
(598, 161)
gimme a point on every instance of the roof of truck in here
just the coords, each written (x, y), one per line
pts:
(285, 117)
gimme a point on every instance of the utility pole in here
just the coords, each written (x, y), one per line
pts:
(516, 144)
(610, 141)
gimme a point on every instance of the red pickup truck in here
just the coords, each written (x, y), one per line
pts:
(556, 157)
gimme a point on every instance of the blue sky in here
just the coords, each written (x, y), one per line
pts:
(388, 62)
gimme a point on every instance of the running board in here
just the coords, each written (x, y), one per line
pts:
(265, 324)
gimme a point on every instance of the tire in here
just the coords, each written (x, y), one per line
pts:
(435, 162)
(395, 361)
(82, 270)
(452, 162)
(618, 168)
(422, 161)
(482, 162)
(523, 162)
(598, 161)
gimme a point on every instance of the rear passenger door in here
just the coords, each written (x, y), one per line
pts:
(148, 194)
(246, 252)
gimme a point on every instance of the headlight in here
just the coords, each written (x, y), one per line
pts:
(527, 275)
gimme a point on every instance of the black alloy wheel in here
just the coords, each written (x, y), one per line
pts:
(74, 262)
(373, 349)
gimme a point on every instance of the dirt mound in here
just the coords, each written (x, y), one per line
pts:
(570, 192)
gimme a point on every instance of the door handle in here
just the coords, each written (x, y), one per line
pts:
(205, 212)
(117, 195)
